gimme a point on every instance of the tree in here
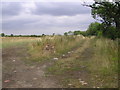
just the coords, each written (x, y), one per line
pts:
(80, 32)
(53, 34)
(11, 35)
(93, 29)
(2, 34)
(43, 35)
(70, 33)
(65, 33)
(108, 13)
(76, 32)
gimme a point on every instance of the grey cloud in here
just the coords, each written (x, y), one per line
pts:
(60, 8)
(11, 8)
(45, 24)
(46, 18)
(47, 8)
(16, 24)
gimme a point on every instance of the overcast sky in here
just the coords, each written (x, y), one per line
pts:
(44, 17)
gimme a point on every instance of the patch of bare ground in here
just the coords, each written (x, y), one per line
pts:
(17, 74)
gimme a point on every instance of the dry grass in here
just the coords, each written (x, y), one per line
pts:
(96, 60)
(7, 42)
(104, 65)
(71, 63)
(106, 56)
(52, 47)
(98, 65)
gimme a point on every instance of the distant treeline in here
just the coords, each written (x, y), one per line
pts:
(3, 35)
(99, 30)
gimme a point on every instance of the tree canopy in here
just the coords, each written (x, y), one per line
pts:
(109, 14)
(2, 34)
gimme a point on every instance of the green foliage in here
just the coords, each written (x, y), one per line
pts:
(70, 33)
(108, 14)
(93, 29)
(76, 32)
(99, 33)
(11, 35)
(80, 33)
(111, 32)
(2, 34)
(99, 30)
(65, 33)
(43, 35)
(33, 35)
(107, 11)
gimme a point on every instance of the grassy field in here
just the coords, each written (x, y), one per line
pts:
(7, 42)
(77, 61)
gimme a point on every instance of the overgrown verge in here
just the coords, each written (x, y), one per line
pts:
(52, 47)
(104, 65)
(92, 66)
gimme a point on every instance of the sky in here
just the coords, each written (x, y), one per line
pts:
(45, 17)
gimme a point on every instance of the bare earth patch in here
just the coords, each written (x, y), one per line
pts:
(18, 74)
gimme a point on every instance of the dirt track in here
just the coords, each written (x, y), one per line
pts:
(18, 74)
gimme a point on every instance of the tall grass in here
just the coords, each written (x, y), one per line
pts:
(106, 56)
(104, 64)
(100, 63)
(49, 47)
